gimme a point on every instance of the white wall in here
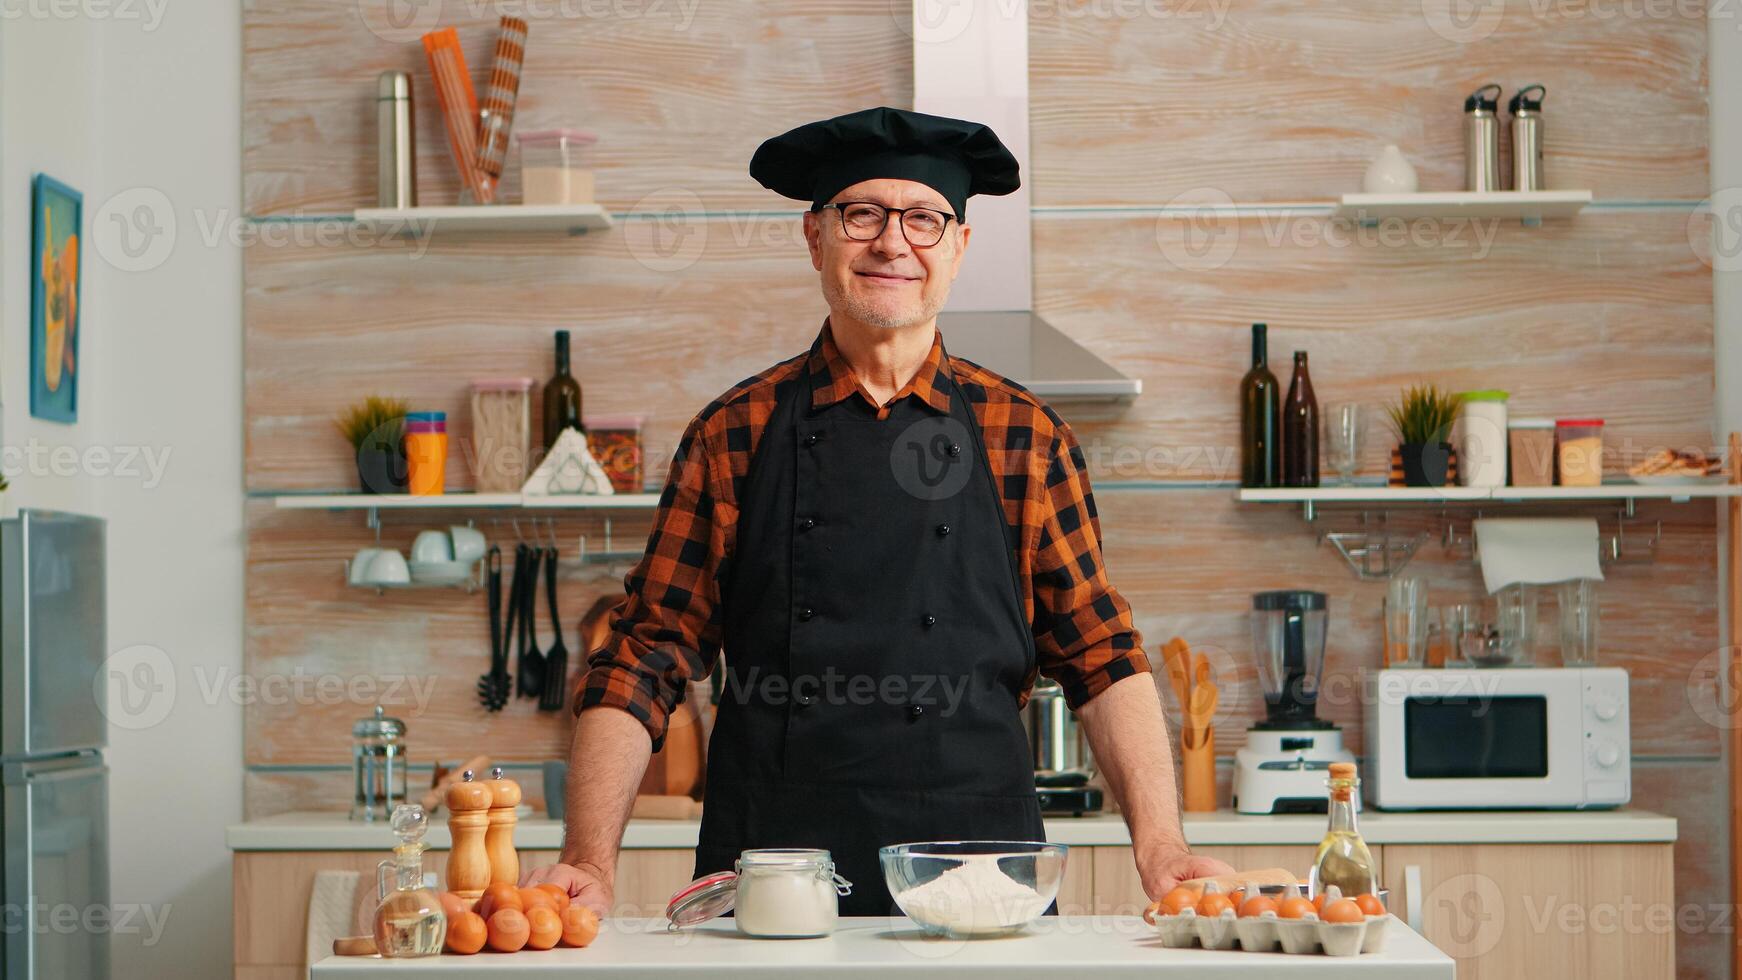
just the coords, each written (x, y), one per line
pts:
(138, 106)
(1724, 39)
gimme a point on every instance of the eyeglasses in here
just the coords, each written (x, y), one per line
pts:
(865, 222)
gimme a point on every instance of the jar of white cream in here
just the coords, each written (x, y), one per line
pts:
(788, 893)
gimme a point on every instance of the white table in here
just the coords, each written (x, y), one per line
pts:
(1067, 946)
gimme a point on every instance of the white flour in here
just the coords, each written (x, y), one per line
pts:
(973, 896)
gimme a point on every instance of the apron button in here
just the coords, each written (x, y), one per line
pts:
(915, 710)
(928, 621)
(813, 439)
(807, 524)
(806, 612)
(806, 700)
(955, 449)
(943, 530)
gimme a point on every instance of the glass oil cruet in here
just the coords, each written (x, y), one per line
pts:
(409, 920)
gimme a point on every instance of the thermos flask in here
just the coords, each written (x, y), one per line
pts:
(1526, 110)
(395, 142)
(1482, 140)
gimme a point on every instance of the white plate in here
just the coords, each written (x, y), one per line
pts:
(1673, 480)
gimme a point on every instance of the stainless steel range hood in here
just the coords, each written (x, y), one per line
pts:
(971, 62)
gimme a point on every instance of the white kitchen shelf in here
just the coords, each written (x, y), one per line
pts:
(498, 501)
(1529, 206)
(1458, 495)
(570, 219)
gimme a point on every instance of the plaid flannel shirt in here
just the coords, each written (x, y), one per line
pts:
(667, 630)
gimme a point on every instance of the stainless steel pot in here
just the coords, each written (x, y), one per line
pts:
(1061, 750)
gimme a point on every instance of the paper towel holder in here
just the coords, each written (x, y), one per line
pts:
(1611, 549)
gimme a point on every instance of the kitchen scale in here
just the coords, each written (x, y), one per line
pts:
(1288, 755)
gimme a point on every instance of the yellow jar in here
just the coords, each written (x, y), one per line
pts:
(1579, 452)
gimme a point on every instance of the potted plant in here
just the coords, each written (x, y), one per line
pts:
(1423, 418)
(376, 431)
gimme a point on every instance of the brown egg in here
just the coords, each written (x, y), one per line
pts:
(1295, 908)
(466, 933)
(1257, 905)
(544, 927)
(452, 905)
(1213, 904)
(508, 930)
(580, 925)
(558, 894)
(1178, 900)
(1370, 904)
(1342, 910)
(498, 896)
(532, 898)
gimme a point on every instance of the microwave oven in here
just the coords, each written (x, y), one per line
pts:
(1518, 738)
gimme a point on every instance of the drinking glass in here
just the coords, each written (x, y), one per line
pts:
(1515, 616)
(1343, 439)
(1456, 620)
(1405, 622)
(1578, 600)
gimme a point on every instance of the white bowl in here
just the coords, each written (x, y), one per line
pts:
(440, 572)
(387, 568)
(432, 546)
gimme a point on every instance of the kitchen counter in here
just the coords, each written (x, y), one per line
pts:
(333, 832)
(1114, 946)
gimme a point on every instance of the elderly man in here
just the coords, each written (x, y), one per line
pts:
(888, 543)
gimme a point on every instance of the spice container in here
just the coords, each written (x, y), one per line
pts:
(1531, 452)
(426, 452)
(1482, 438)
(1579, 452)
(778, 893)
(550, 167)
(615, 441)
(501, 433)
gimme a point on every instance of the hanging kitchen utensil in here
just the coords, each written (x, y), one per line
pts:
(493, 687)
(514, 633)
(556, 659)
(530, 665)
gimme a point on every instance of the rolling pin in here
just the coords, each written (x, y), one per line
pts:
(1228, 883)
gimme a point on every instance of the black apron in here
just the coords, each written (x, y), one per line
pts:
(875, 644)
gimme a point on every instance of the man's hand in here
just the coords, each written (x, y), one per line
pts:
(585, 884)
(1162, 875)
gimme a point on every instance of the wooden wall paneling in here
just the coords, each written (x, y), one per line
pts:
(1269, 101)
(680, 94)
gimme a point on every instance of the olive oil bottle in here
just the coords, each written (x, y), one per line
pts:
(1343, 858)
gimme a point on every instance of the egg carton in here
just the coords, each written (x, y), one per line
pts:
(1267, 933)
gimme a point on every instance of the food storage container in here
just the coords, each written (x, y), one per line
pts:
(1579, 452)
(550, 167)
(501, 433)
(773, 893)
(615, 441)
(1531, 444)
(426, 452)
(1481, 439)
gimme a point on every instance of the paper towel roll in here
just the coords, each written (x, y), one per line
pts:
(1536, 550)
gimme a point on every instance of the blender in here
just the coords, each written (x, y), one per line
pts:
(1288, 755)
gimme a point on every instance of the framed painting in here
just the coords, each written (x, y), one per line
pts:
(56, 216)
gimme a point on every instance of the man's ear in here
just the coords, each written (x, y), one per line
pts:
(813, 238)
(961, 250)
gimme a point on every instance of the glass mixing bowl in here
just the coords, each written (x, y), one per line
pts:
(973, 888)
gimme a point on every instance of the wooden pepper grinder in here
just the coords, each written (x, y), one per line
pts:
(468, 821)
(499, 839)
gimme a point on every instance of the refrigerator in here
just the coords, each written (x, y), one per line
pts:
(54, 825)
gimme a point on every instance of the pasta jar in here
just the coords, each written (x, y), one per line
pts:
(1579, 451)
(426, 452)
(776, 893)
(501, 433)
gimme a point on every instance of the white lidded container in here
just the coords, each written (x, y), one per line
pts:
(774, 893)
(1481, 439)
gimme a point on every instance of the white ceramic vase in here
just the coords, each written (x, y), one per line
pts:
(1389, 173)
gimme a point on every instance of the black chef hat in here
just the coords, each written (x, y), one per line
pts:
(954, 157)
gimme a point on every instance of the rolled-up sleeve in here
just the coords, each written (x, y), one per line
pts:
(1083, 632)
(667, 629)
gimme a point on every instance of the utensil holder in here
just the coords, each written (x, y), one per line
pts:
(1198, 771)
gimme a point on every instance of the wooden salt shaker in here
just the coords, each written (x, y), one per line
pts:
(468, 820)
(499, 839)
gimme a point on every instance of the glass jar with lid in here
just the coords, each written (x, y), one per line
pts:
(774, 893)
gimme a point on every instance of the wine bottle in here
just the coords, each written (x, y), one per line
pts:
(562, 396)
(1260, 420)
(1300, 429)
